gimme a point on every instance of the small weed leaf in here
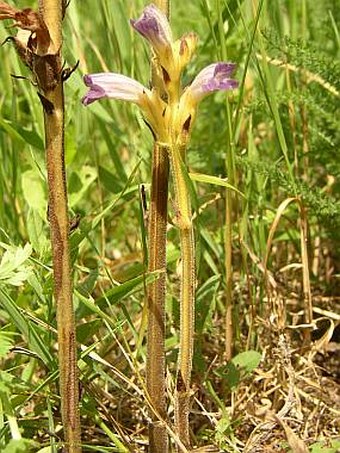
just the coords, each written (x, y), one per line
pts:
(232, 375)
(19, 446)
(239, 367)
(332, 446)
(247, 361)
(13, 271)
(6, 342)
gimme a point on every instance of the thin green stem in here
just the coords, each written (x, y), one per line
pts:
(229, 208)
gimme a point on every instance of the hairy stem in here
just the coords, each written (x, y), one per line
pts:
(155, 365)
(48, 70)
(155, 374)
(187, 296)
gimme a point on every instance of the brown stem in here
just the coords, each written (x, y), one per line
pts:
(156, 384)
(48, 69)
(155, 364)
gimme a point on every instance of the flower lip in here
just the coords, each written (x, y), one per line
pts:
(95, 92)
(154, 26)
(213, 78)
(112, 85)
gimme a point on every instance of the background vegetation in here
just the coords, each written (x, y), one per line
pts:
(285, 139)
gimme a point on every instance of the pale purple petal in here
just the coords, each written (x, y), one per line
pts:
(154, 26)
(214, 77)
(111, 85)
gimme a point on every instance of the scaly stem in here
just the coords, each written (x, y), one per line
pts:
(187, 295)
(155, 364)
(51, 94)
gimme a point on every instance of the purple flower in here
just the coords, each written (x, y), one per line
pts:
(214, 77)
(154, 26)
(116, 86)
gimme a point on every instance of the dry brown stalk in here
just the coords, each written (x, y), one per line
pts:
(307, 295)
(39, 43)
(52, 97)
(155, 366)
(155, 369)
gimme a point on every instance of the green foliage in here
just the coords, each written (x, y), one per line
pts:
(108, 151)
(13, 270)
(6, 342)
(19, 446)
(239, 368)
(331, 446)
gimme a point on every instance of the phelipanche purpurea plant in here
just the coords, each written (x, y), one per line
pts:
(170, 113)
(38, 44)
(156, 382)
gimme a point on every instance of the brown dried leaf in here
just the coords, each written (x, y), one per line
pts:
(27, 19)
(7, 11)
(296, 444)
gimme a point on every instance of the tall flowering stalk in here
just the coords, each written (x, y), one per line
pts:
(156, 290)
(38, 43)
(170, 111)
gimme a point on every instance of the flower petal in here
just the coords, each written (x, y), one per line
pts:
(154, 26)
(212, 78)
(112, 85)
